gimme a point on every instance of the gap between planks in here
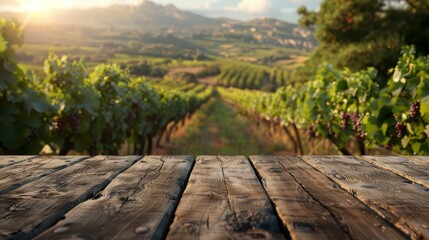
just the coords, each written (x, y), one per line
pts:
(7, 160)
(314, 207)
(410, 168)
(224, 199)
(138, 203)
(29, 170)
(393, 197)
(40, 204)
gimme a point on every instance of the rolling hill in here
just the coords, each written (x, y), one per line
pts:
(147, 14)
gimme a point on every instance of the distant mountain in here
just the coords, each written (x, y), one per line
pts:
(151, 16)
(271, 31)
(147, 14)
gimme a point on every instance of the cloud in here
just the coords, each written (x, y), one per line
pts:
(252, 6)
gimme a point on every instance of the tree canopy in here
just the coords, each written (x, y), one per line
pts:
(363, 33)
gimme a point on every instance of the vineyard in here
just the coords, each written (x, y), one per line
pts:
(252, 77)
(72, 108)
(246, 119)
(344, 106)
(97, 109)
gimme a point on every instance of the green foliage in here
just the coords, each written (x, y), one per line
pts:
(345, 106)
(170, 51)
(400, 118)
(212, 70)
(366, 33)
(73, 110)
(22, 106)
(145, 68)
(251, 77)
(75, 100)
(186, 77)
(113, 84)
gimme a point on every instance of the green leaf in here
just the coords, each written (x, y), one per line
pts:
(38, 103)
(3, 44)
(405, 141)
(410, 128)
(7, 79)
(424, 111)
(427, 131)
(397, 75)
(342, 85)
(11, 137)
(384, 128)
(416, 146)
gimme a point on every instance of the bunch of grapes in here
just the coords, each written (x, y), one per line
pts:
(414, 109)
(59, 124)
(400, 129)
(73, 120)
(330, 128)
(311, 132)
(92, 149)
(344, 117)
(357, 125)
(32, 136)
(67, 122)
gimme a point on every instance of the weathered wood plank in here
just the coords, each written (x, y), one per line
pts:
(314, 207)
(421, 159)
(6, 161)
(139, 203)
(31, 209)
(17, 175)
(397, 199)
(413, 170)
(224, 200)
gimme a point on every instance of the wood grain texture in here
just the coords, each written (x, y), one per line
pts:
(31, 209)
(416, 171)
(17, 175)
(224, 200)
(139, 203)
(397, 199)
(421, 159)
(314, 207)
(6, 161)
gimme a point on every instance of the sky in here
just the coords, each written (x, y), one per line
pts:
(238, 9)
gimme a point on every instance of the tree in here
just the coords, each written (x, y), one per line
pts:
(365, 33)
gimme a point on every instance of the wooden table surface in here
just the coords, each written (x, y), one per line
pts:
(214, 197)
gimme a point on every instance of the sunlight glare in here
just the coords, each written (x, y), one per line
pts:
(34, 7)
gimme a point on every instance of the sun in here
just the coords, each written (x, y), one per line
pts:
(34, 7)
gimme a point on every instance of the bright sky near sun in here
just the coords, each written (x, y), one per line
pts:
(240, 9)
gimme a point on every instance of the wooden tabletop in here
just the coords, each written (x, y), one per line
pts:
(214, 197)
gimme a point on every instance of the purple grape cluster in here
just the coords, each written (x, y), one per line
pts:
(330, 128)
(71, 121)
(357, 125)
(400, 129)
(311, 132)
(414, 109)
(32, 136)
(355, 119)
(92, 149)
(344, 119)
